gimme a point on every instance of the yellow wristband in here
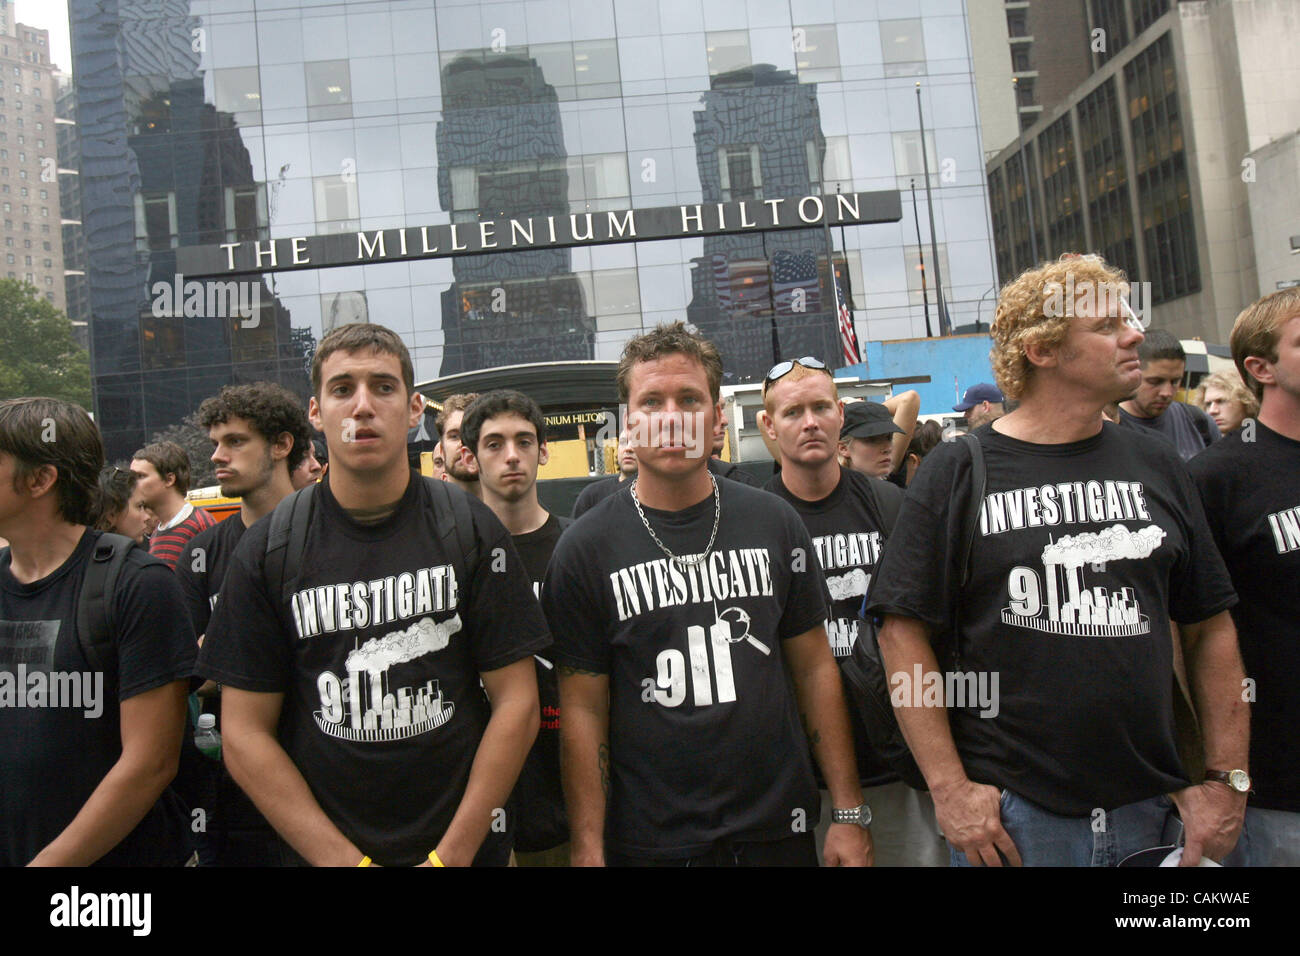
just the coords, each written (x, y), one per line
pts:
(365, 861)
(433, 858)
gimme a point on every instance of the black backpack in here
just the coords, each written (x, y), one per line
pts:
(864, 670)
(287, 536)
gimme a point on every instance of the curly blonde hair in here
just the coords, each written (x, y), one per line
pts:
(1230, 384)
(1036, 308)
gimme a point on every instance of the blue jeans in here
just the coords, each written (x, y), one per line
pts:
(1045, 839)
(1268, 838)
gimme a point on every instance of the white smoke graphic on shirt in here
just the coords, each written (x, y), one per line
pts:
(1115, 543)
(845, 586)
(1062, 601)
(422, 637)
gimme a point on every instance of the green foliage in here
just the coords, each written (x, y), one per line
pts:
(38, 355)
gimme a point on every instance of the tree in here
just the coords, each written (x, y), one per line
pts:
(38, 355)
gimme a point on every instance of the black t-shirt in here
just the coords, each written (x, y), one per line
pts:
(202, 568)
(598, 491)
(379, 659)
(1084, 552)
(847, 535)
(729, 469)
(705, 739)
(59, 734)
(1251, 492)
(1187, 427)
(540, 821)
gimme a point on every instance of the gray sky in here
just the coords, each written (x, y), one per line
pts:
(49, 15)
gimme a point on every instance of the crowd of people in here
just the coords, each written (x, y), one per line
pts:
(411, 671)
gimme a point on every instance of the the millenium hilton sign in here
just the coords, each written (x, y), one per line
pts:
(509, 234)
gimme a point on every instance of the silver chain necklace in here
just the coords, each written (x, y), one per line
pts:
(717, 513)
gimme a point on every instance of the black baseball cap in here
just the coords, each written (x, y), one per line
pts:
(867, 419)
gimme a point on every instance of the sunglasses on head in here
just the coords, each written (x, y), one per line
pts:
(784, 368)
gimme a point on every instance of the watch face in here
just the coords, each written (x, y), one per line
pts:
(1239, 780)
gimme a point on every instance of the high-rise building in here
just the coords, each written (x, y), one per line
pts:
(77, 303)
(30, 219)
(1160, 160)
(206, 123)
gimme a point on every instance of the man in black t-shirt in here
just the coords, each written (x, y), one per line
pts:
(1152, 407)
(260, 436)
(849, 517)
(1250, 485)
(88, 745)
(505, 434)
(1089, 541)
(602, 488)
(353, 711)
(689, 639)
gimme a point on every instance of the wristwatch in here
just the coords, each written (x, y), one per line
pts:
(860, 815)
(1238, 780)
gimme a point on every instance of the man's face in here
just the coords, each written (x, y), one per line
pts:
(1226, 411)
(627, 463)
(977, 415)
(1160, 380)
(670, 415)
(458, 466)
(308, 471)
(365, 410)
(241, 456)
(1286, 370)
(12, 500)
(439, 462)
(1099, 355)
(509, 455)
(872, 456)
(149, 484)
(805, 419)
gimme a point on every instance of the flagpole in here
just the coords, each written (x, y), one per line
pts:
(835, 288)
(929, 202)
(920, 248)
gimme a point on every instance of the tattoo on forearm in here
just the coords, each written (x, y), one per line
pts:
(602, 760)
(564, 671)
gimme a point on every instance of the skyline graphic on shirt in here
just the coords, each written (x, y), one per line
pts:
(366, 707)
(1061, 602)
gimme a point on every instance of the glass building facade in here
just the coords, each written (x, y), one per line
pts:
(212, 121)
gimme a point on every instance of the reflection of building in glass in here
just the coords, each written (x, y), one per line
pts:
(74, 242)
(759, 296)
(180, 175)
(501, 153)
(206, 122)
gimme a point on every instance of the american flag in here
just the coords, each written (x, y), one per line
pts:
(791, 272)
(722, 281)
(848, 337)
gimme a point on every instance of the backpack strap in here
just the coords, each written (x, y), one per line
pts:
(970, 524)
(286, 539)
(96, 631)
(461, 529)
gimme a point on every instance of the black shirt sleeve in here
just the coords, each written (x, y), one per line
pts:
(575, 612)
(1200, 586)
(155, 642)
(805, 601)
(505, 619)
(245, 645)
(194, 583)
(918, 575)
